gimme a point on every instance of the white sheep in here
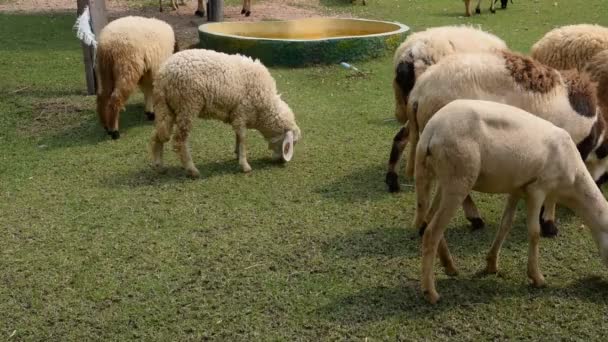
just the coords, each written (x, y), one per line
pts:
(232, 88)
(129, 52)
(571, 47)
(567, 99)
(495, 148)
(200, 8)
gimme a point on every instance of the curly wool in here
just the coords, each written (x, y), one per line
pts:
(231, 88)
(130, 51)
(571, 47)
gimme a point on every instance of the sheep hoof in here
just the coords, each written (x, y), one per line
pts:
(478, 11)
(492, 10)
(248, 13)
(451, 271)
(548, 229)
(392, 180)
(422, 229)
(114, 134)
(199, 13)
(150, 116)
(247, 169)
(243, 11)
(194, 174)
(537, 282)
(431, 296)
(476, 223)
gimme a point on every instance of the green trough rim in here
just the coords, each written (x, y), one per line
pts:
(298, 52)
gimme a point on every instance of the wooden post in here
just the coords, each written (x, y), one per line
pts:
(215, 10)
(99, 19)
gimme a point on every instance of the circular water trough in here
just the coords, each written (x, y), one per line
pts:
(304, 41)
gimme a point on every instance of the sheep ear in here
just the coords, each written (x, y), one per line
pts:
(287, 148)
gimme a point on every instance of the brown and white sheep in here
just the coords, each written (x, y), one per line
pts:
(129, 52)
(567, 99)
(495, 148)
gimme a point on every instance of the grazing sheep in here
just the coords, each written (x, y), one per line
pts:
(571, 47)
(567, 99)
(129, 52)
(232, 88)
(495, 148)
(418, 52)
(200, 9)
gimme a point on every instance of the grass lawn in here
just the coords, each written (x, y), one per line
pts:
(94, 245)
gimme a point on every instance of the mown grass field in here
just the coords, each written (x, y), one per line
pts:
(94, 245)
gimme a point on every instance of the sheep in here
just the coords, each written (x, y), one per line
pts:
(421, 50)
(460, 152)
(567, 99)
(200, 9)
(212, 85)
(129, 52)
(571, 47)
(467, 7)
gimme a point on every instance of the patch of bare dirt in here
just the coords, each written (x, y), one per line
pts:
(183, 20)
(56, 114)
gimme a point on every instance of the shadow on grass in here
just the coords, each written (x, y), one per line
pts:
(147, 176)
(89, 131)
(365, 184)
(379, 303)
(403, 241)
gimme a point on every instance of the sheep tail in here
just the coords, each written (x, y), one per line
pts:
(598, 69)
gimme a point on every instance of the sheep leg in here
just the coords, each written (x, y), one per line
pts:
(423, 193)
(103, 97)
(547, 219)
(146, 87)
(246, 8)
(472, 214)
(241, 149)
(160, 5)
(432, 238)
(478, 8)
(505, 226)
(180, 143)
(492, 6)
(411, 157)
(200, 9)
(125, 85)
(174, 5)
(399, 143)
(534, 203)
(467, 8)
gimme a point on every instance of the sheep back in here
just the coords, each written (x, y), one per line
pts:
(571, 47)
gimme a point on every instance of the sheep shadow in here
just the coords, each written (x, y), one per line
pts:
(379, 303)
(404, 241)
(86, 130)
(175, 174)
(365, 184)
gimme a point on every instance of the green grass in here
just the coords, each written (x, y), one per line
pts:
(96, 246)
